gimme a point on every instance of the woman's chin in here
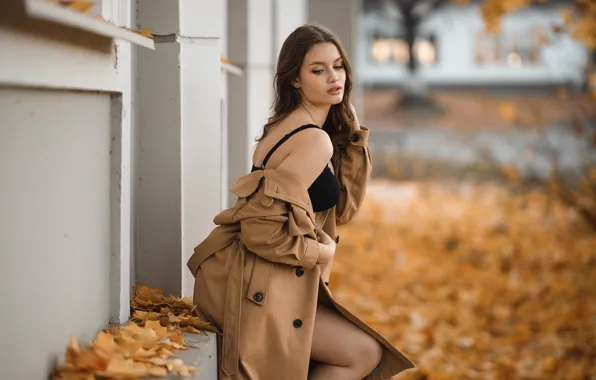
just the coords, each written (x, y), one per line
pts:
(337, 99)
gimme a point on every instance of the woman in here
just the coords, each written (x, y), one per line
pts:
(261, 275)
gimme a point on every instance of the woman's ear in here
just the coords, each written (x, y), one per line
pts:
(296, 83)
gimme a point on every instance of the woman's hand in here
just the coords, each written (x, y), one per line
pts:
(326, 246)
(356, 126)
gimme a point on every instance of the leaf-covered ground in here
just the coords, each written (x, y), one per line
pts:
(143, 348)
(473, 281)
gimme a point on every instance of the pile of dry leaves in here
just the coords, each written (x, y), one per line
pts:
(142, 348)
(473, 281)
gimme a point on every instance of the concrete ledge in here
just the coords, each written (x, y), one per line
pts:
(201, 353)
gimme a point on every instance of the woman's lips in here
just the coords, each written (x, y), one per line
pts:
(335, 90)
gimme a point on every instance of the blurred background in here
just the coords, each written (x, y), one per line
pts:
(476, 248)
(124, 122)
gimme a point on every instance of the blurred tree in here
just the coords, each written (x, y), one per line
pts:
(577, 19)
(410, 14)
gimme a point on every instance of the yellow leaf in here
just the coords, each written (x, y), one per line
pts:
(127, 367)
(130, 346)
(81, 6)
(161, 331)
(549, 364)
(562, 93)
(508, 111)
(106, 343)
(154, 295)
(178, 339)
(146, 315)
(566, 16)
(66, 375)
(592, 174)
(511, 173)
(197, 323)
(91, 360)
(191, 329)
(143, 32)
(72, 351)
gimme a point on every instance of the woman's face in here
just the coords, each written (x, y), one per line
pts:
(322, 75)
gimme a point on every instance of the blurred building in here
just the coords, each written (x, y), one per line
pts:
(117, 150)
(454, 50)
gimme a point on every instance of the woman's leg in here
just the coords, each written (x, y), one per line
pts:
(344, 352)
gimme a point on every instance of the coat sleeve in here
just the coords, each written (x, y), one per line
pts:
(278, 235)
(354, 173)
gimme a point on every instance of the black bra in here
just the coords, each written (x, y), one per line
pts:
(324, 191)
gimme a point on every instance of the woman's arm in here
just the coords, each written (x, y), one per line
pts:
(354, 172)
(284, 234)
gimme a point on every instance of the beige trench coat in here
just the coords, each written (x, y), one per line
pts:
(257, 277)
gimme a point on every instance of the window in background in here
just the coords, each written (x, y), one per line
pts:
(512, 49)
(384, 50)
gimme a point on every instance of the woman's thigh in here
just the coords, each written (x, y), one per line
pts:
(337, 341)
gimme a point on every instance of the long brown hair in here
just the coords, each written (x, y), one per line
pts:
(287, 97)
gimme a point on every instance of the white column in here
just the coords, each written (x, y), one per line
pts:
(179, 156)
(119, 13)
(250, 45)
(224, 108)
(200, 29)
(288, 15)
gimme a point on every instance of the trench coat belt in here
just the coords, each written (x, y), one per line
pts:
(233, 303)
(232, 313)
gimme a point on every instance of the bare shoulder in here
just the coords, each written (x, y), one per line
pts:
(309, 153)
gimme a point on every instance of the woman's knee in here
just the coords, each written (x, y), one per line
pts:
(367, 353)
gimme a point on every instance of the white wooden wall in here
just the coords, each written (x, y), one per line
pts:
(65, 226)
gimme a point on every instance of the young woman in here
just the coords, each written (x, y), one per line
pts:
(261, 276)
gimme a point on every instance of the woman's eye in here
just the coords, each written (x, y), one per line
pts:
(317, 71)
(338, 67)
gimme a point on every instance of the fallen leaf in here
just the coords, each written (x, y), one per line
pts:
(106, 343)
(191, 329)
(81, 6)
(509, 300)
(130, 368)
(146, 315)
(508, 111)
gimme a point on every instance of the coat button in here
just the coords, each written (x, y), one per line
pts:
(326, 284)
(258, 297)
(299, 272)
(297, 323)
(355, 138)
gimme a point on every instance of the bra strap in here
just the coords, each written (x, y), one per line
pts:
(284, 139)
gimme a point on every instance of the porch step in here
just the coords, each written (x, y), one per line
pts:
(201, 353)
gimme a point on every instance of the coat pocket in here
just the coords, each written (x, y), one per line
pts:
(260, 278)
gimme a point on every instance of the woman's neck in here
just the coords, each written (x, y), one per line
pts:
(318, 115)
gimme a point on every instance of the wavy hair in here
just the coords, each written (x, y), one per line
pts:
(288, 98)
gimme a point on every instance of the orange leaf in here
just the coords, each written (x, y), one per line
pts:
(81, 6)
(508, 111)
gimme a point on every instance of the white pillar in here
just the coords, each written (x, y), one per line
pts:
(119, 13)
(249, 96)
(179, 155)
(224, 107)
(256, 31)
(288, 15)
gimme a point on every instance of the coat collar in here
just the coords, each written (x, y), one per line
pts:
(277, 183)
